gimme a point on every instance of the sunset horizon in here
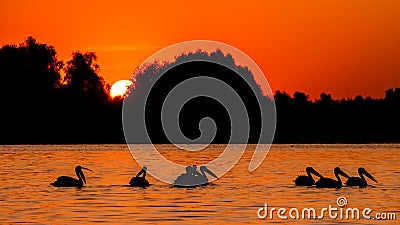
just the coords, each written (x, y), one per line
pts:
(308, 47)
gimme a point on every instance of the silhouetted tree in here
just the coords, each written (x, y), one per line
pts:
(82, 77)
(191, 65)
(300, 98)
(30, 69)
(87, 104)
(282, 97)
(29, 82)
(392, 98)
(325, 99)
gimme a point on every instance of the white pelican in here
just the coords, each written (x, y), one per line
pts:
(331, 183)
(360, 181)
(139, 181)
(65, 181)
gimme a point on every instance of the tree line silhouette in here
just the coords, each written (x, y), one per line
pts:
(325, 120)
(47, 101)
(39, 105)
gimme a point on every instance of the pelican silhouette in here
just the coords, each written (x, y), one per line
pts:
(192, 178)
(303, 180)
(331, 183)
(138, 181)
(65, 181)
(360, 181)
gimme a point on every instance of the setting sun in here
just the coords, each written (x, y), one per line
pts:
(119, 88)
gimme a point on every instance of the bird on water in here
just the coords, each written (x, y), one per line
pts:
(65, 181)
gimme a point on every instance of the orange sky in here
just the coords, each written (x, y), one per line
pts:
(344, 47)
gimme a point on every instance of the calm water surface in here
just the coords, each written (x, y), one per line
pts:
(27, 197)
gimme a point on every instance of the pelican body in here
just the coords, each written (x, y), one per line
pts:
(360, 181)
(331, 183)
(303, 180)
(65, 181)
(139, 181)
(192, 178)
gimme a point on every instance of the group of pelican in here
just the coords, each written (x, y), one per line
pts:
(324, 182)
(192, 178)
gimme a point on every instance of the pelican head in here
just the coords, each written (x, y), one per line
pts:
(79, 173)
(308, 180)
(331, 183)
(363, 171)
(142, 171)
(310, 170)
(339, 171)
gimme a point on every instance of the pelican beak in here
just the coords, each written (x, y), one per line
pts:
(370, 176)
(87, 169)
(209, 172)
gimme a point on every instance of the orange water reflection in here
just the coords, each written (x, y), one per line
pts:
(26, 196)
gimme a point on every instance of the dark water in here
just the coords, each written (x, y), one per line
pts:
(27, 197)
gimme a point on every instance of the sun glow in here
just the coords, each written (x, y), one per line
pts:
(119, 88)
